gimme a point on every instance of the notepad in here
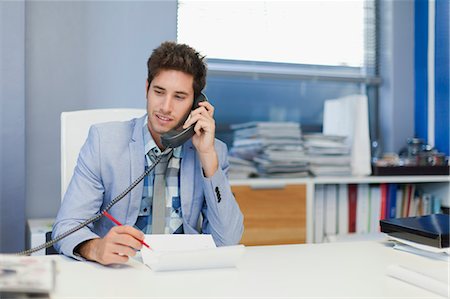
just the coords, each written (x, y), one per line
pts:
(188, 252)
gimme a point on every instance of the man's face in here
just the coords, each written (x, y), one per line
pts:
(169, 100)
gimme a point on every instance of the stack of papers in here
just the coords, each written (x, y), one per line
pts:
(26, 276)
(421, 249)
(188, 252)
(241, 168)
(274, 148)
(328, 154)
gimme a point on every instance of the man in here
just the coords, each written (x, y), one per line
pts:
(197, 192)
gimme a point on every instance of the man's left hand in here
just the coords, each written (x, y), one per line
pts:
(203, 139)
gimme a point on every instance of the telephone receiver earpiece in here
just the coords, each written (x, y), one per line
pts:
(175, 138)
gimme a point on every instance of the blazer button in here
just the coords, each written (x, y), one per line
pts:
(218, 194)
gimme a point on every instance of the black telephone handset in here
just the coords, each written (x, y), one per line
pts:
(177, 137)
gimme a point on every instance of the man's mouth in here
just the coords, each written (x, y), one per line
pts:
(163, 117)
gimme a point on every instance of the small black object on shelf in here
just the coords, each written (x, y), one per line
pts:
(410, 170)
(432, 230)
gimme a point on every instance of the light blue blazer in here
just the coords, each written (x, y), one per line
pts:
(112, 158)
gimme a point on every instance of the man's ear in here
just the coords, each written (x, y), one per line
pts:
(146, 87)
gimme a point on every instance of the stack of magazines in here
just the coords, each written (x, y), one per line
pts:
(241, 168)
(26, 277)
(274, 148)
(328, 154)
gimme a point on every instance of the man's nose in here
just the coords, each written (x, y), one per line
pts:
(167, 104)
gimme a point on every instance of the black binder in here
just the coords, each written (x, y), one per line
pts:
(432, 230)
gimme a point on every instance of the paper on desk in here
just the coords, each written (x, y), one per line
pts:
(188, 252)
(421, 249)
(421, 246)
(431, 254)
(433, 283)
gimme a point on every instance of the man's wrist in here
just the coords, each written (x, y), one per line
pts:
(210, 163)
(86, 249)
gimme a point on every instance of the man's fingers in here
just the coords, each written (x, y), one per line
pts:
(126, 229)
(113, 258)
(208, 106)
(128, 240)
(122, 250)
(196, 118)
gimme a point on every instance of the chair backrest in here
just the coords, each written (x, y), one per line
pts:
(74, 131)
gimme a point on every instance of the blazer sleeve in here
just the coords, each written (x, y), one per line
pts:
(83, 198)
(222, 217)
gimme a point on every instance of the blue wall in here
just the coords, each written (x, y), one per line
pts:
(440, 120)
(12, 126)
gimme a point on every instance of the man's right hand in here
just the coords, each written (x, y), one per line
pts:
(116, 247)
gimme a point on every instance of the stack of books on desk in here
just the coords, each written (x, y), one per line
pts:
(275, 148)
(328, 154)
(424, 235)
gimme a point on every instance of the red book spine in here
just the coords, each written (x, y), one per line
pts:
(352, 198)
(383, 191)
(408, 199)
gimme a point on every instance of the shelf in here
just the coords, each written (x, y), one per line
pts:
(281, 182)
(439, 185)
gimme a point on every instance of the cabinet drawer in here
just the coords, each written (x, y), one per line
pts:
(272, 216)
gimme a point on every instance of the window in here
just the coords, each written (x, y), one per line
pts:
(283, 58)
(302, 32)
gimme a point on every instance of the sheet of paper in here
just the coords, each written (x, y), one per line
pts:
(433, 283)
(178, 242)
(188, 252)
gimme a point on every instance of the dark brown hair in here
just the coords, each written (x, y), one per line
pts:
(180, 57)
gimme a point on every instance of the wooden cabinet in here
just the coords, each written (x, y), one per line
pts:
(272, 215)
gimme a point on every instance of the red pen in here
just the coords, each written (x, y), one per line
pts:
(118, 223)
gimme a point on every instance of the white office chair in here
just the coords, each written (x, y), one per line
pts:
(74, 131)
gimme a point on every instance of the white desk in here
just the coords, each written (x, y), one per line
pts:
(345, 270)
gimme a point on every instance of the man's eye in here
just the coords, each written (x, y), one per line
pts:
(158, 92)
(179, 97)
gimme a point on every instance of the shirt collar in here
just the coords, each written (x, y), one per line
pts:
(149, 142)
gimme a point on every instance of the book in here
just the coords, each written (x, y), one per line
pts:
(342, 209)
(399, 202)
(319, 213)
(362, 209)
(352, 203)
(383, 191)
(392, 201)
(375, 208)
(330, 210)
(432, 230)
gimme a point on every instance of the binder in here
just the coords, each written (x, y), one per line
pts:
(432, 230)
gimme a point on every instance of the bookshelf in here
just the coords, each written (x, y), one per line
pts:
(259, 215)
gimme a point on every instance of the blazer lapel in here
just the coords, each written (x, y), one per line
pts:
(137, 162)
(187, 177)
